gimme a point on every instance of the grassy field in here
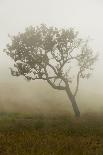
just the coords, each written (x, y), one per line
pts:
(25, 134)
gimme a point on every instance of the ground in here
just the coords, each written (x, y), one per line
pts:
(27, 134)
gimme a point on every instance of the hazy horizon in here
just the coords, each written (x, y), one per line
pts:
(84, 16)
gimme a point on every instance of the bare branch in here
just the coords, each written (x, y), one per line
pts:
(66, 61)
(50, 82)
(54, 86)
(53, 68)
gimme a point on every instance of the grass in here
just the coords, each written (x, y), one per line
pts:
(23, 134)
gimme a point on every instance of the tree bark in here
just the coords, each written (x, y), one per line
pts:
(73, 101)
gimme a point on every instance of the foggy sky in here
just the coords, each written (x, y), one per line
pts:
(83, 15)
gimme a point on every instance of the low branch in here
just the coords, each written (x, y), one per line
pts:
(40, 78)
(52, 84)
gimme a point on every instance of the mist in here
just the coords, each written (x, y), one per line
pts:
(18, 95)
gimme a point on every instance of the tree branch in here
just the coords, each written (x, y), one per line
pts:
(50, 82)
(39, 78)
(52, 68)
(66, 62)
(54, 86)
(77, 86)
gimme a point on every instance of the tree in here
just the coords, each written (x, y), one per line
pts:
(56, 55)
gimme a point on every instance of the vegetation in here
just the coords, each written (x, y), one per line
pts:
(58, 56)
(25, 134)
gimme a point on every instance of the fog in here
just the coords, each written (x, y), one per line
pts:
(16, 94)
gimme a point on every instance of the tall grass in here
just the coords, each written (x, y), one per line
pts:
(22, 134)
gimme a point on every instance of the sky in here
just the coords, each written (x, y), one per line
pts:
(83, 15)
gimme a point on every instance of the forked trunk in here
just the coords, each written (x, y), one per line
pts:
(73, 101)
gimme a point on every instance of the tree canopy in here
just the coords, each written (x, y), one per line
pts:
(56, 55)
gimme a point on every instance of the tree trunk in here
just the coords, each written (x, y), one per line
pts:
(73, 101)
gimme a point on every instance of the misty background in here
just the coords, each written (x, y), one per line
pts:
(85, 16)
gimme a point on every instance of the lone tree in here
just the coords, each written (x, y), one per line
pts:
(56, 55)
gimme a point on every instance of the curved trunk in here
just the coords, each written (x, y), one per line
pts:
(73, 101)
